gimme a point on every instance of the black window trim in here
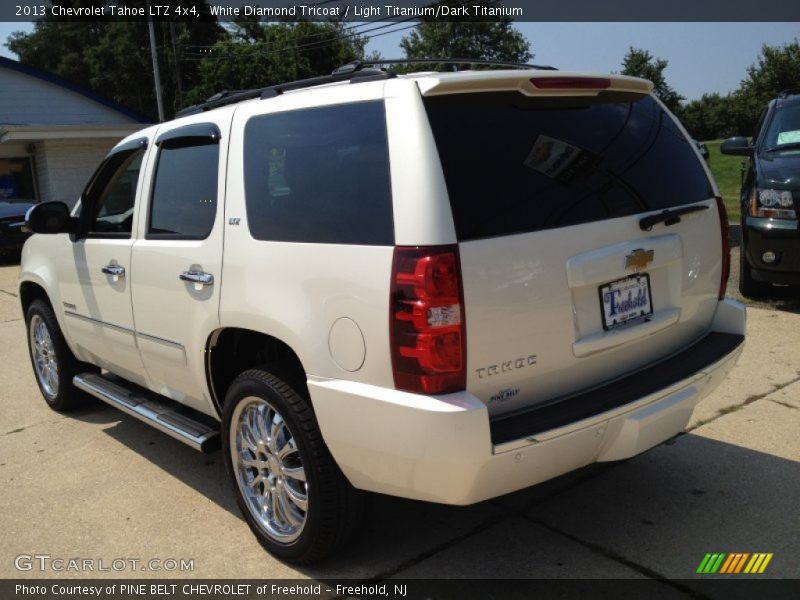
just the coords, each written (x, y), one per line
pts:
(128, 148)
(135, 144)
(196, 134)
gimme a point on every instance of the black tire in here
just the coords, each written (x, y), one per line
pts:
(333, 504)
(65, 396)
(747, 285)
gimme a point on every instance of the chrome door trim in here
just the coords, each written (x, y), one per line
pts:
(81, 317)
(154, 338)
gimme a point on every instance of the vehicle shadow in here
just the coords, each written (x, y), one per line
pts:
(203, 472)
(663, 510)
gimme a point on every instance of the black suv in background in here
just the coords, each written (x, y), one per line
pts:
(770, 251)
(12, 218)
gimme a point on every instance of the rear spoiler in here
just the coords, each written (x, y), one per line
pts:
(530, 83)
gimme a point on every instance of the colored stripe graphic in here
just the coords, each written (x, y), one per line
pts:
(730, 564)
(727, 564)
(740, 564)
(711, 562)
(717, 563)
(765, 563)
(754, 563)
(736, 562)
(703, 563)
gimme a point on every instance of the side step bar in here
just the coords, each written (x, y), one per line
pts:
(145, 407)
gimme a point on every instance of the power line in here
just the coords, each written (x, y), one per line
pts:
(321, 43)
(366, 23)
(271, 52)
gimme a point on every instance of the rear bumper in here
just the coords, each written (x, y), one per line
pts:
(441, 449)
(776, 235)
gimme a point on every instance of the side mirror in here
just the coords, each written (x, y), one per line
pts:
(49, 217)
(736, 145)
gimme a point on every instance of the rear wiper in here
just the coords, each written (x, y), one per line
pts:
(792, 146)
(669, 217)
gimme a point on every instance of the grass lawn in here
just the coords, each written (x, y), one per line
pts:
(726, 170)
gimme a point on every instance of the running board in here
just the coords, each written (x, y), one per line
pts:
(147, 408)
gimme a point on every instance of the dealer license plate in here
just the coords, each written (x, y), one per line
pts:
(626, 301)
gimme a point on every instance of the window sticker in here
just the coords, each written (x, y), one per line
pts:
(560, 160)
(789, 137)
(550, 156)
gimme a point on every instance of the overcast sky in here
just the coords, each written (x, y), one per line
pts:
(703, 57)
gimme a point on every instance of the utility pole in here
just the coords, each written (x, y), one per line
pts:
(154, 56)
(178, 86)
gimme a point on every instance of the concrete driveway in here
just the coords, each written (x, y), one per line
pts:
(98, 484)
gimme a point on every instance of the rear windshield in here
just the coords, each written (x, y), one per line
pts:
(515, 164)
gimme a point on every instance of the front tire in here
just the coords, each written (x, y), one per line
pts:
(53, 363)
(291, 492)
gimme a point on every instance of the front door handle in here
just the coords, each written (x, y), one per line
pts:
(114, 270)
(198, 277)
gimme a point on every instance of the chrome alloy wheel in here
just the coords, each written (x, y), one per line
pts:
(44, 356)
(269, 471)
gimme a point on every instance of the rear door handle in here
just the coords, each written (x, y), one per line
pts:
(114, 270)
(199, 277)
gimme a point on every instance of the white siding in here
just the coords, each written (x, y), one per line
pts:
(63, 167)
(28, 100)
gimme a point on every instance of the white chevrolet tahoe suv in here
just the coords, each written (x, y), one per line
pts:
(444, 287)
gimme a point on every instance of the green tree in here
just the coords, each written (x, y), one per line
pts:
(640, 63)
(710, 117)
(776, 69)
(113, 57)
(257, 55)
(483, 38)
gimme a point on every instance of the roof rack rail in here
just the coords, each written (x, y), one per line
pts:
(789, 92)
(355, 72)
(455, 61)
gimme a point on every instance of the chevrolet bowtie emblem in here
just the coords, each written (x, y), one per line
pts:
(639, 259)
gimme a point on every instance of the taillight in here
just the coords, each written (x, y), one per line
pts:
(571, 83)
(726, 247)
(428, 337)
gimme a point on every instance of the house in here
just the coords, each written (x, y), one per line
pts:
(53, 133)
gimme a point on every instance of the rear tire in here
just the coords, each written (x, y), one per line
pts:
(747, 285)
(292, 494)
(53, 363)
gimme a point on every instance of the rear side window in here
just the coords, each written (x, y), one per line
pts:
(515, 164)
(319, 175)
(184, 200)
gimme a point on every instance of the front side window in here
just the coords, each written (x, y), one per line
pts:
(111, 195)
(184, 199)
(319, 175)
